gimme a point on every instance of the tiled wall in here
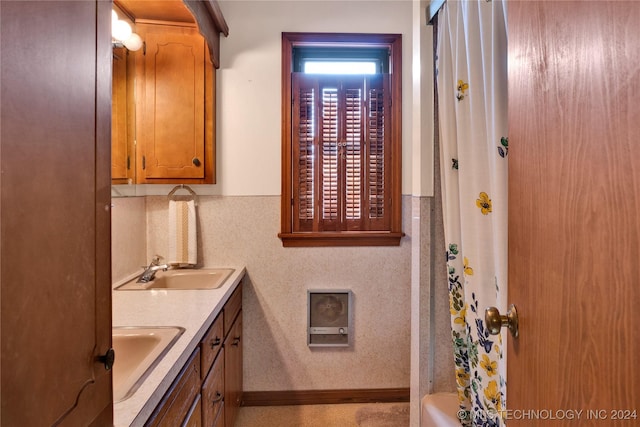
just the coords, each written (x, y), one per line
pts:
(243, 230)
(128, 236)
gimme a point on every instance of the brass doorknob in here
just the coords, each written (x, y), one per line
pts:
(494, 320)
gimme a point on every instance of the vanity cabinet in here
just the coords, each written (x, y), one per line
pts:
(194, 418)
(233, 372)
(213, 392)
(208, 390)
(232, 357)
(213, 372)
(177, 407)
(174, 128)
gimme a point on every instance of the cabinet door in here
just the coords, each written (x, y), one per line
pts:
(172, 126)
(211, 345)
(233, 372)
(122, 117)
(213, 391)
(119, 116)
(55, 224)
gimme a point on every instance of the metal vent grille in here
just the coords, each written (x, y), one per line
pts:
(329, 318)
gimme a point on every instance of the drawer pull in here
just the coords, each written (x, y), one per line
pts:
(217, 399)
(215, 342)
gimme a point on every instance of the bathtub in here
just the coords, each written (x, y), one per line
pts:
(440, 410)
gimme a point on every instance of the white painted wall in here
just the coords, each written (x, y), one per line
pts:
(249, 100)
(422, 124)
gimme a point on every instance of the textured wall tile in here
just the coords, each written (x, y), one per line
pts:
(128, 236)
(243, 230)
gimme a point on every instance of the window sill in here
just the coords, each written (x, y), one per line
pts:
(346, 238)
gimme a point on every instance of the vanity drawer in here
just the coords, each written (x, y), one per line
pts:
(176, 404)
(213, 391)
(219, 422)
(194, 418)
(211, 345)
(232, 308)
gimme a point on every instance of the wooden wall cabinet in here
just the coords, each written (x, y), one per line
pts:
(175, 105)
(123, 117)
(170, 122)
(208, 390)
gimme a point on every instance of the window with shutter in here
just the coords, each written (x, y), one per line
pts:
(341, 155)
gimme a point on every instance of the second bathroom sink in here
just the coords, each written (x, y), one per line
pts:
(205, 278)
(138, 350)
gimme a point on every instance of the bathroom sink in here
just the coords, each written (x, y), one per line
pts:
(138, 350)
(205, 278)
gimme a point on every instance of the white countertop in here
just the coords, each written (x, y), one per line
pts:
(193, 310)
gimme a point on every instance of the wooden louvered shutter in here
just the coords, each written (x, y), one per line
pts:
(353, 146)
(378, 155)
(304, 147)
(330, 181)
(341, 144)
(340, 153)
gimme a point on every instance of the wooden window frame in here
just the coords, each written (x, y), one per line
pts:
(390, 237)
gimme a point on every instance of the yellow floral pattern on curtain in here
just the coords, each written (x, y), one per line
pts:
(472, 110)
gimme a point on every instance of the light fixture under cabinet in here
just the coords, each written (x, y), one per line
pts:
(122, 34)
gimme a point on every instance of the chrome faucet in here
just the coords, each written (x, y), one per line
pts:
(150, 272)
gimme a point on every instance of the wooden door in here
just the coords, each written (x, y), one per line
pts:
(574, 213)
(55, 267)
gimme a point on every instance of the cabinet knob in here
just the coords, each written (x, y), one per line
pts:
(108, 359)
(215, 343)
(236, 341)
(218, 398)
(196, 161)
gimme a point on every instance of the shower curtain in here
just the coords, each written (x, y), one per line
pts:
(471, 67)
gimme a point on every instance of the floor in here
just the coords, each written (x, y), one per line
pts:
(342, 415)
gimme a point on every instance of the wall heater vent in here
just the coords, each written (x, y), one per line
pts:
(329, 318)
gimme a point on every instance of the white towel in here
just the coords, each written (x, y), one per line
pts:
(183, 248)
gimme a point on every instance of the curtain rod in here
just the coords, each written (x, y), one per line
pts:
(434, 7)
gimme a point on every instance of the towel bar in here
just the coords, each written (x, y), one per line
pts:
(183, 187)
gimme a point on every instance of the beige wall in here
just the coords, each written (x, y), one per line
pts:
(128, 236)
(244, 230)
(249, 103)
